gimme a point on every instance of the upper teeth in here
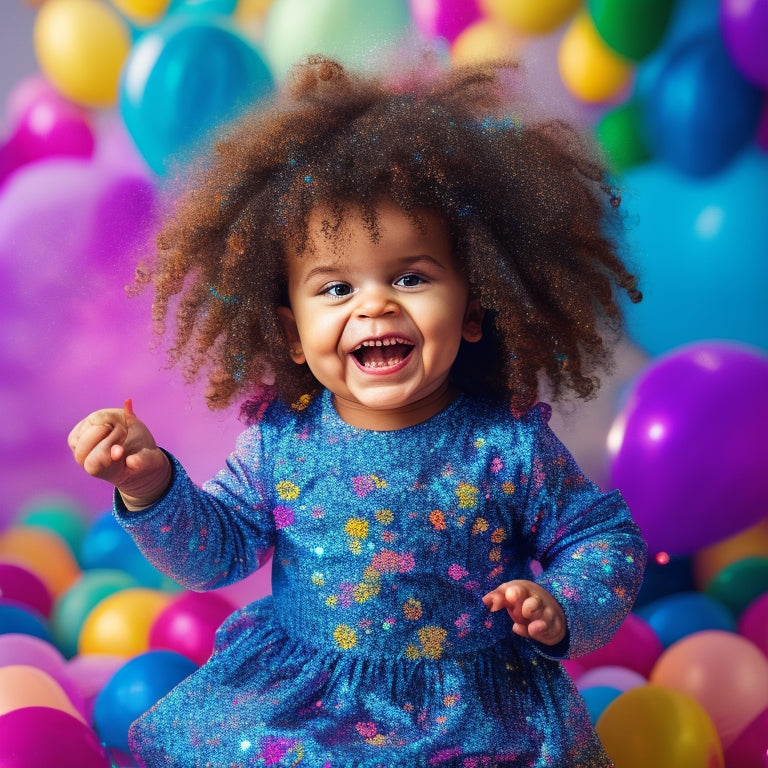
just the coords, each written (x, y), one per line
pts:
(382, 342)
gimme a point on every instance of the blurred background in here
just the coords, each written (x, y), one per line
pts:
(102, 99)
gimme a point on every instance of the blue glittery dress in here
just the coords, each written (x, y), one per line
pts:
(375, 649)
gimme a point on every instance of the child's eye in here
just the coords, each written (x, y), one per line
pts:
(337, 290)
(410, 281)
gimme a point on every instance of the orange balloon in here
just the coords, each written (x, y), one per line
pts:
(120, 624)
(22, 686)
(591, 70)
(486, 40)
(708, 562)
(43, 552)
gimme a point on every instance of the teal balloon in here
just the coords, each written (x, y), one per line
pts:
(185, 78)
(700, 249)
(739, 583)
(350, 31)
(59, 516)
(206, 7)
(72, 608)
(633, 29)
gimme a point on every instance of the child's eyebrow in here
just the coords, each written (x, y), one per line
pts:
(324, 270)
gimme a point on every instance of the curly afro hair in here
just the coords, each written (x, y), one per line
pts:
(527, 204)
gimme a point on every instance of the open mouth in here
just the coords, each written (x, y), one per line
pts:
(382, 353)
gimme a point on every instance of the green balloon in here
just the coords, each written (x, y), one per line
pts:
(351, 31)
(633, 28)
(620, 134)
(73, 607)
(739, 583)
(60, 516)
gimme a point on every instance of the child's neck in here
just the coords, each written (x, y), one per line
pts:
(390, 419)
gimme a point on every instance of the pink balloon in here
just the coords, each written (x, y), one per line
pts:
(188, 625)
(621, 678)
(750, 749)
(444, 18)
(726, 673)
(634, 646)
(20, 584)
(43, 737)
(753, 623)
(89, 673)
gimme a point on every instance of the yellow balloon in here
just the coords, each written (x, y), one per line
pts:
(589, 68)
(120, 624)
(248, 10)
(533, 17)
(80, 47)
(43, 552)
(142, 12)
(486, 40)
(656, 726)
(23, 686)
(708, 562)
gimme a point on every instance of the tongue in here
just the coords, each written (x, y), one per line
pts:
(380, 357)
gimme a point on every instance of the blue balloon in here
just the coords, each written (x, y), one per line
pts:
(676, 616)
(183, 79)
(701, 111)
(699, 247)
(138, 685)
(20, 619)
(597, 699)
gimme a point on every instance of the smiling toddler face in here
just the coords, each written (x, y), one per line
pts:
(378, 320)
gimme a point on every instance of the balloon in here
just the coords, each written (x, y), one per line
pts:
(753, 622)
(42, 737)
(15, 618)
(708, 562)
(188, 625)
(726, 673)
(22, 685)
(681, 427)
(597, 699)
(485, 40)
(206, 7)
(701, 113)
(635, 646)
(169, 102)
(89, 673)
(745, 29)
(700, 248)
(61, 515)
(616, 677)
(43, 552)
(80, 47)
(35, 652)
(656, 726)
(444, 18)
(23, 586)
(133, 689)
(750, 749)
(739, 583)
(119, 625)
(347, 30)
(675, 616)
(632, 29)
(620, 134)
(50, 125)
(533, 17)
(142, 12)
(588, 67)
(73, 607)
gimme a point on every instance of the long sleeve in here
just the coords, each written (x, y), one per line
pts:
(208, 537)
(592, 554)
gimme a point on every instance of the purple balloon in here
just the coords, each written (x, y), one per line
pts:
(42, 737)
(744, 24)
(688, 450)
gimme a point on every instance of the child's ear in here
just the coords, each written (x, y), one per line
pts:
(472, 328)
(291, 331)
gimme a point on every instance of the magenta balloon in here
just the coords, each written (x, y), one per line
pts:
(688, 450)
(444, 18)
(753, 622)
(744, 24)
(750, 750)
(43, 737)
(188, 625)
(18, 583)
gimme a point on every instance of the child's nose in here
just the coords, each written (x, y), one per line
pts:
(376, 301)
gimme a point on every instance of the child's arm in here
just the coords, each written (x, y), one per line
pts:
(114, 445)
(534, 611)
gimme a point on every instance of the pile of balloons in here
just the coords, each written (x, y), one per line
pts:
(91, 636)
